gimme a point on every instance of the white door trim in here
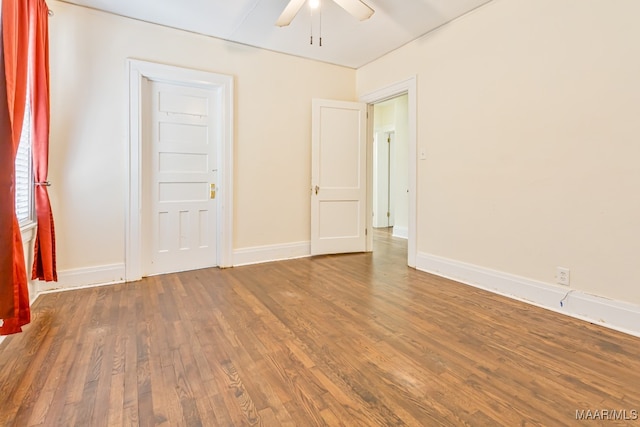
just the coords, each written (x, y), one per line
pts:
(137, 71)
(408, 86)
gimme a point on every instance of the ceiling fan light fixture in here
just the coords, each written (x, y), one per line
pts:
(358, 8)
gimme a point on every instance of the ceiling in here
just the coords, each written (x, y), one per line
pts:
(345, 40)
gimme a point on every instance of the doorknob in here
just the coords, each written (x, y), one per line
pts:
(317, 189)
(212, 191)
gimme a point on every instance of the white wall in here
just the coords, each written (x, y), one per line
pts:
(528, 112)
(273, 95)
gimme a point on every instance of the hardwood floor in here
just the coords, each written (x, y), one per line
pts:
(354, 340)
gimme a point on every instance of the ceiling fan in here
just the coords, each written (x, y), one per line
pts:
(357, 8)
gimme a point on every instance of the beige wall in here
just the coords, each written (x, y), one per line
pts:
(527, 110)
(529, 114)
(89, 87)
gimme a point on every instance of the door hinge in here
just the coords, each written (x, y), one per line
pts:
(366, 231)
(388, 214)
(389, 140)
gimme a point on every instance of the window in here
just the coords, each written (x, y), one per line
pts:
(24, 172)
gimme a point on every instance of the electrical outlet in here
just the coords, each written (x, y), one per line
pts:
(562, 276)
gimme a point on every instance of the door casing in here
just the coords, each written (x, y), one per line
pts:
(137, 71)
(385, 181)
(409, 87)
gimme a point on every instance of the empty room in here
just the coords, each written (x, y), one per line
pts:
(333, 212)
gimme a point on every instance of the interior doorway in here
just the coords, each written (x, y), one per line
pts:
(384, 146)
(406, 87)
(390, 166)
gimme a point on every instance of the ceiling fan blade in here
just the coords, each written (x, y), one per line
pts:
(356, 8)
(290, 12)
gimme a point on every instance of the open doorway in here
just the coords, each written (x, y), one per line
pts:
(406, 88)
(390, 167)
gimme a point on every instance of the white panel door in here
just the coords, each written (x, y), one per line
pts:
(180, 171)
(339, 180)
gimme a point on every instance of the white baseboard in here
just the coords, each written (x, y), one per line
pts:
(618, 315)
(82, 277)
(260, 254)
(401, 232)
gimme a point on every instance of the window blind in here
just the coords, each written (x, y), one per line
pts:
(24, 175)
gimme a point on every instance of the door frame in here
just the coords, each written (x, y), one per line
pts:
(409, 87)
(138, 70)
(385, 130)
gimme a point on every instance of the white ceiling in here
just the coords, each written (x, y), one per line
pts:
(345, 40)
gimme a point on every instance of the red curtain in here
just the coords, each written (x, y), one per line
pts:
(14, 303)
(44, 263)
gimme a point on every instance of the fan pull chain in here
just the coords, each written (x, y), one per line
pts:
(318, 6)
(311, 25)
(320, 29)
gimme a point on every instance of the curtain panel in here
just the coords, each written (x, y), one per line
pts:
(44, 257)
(25, 41)
(14, 306)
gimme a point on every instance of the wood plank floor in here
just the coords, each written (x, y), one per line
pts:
(354, 340)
